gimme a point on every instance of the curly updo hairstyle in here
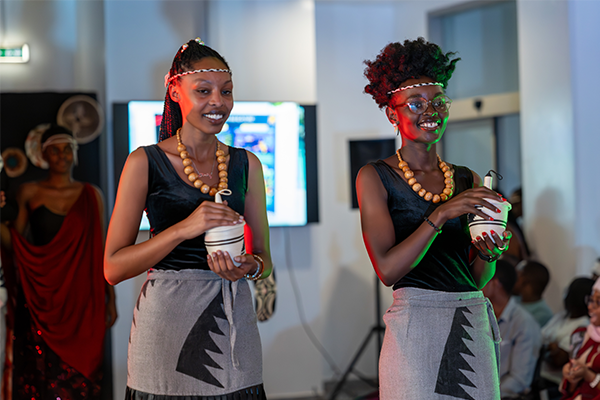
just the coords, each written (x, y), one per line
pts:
(411, 60)
(183, 61)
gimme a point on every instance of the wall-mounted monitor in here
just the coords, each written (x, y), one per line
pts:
(281, 134)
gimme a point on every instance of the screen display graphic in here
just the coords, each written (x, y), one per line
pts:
(273, 131)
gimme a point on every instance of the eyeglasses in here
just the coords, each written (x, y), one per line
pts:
(590, 301)
(419, 105)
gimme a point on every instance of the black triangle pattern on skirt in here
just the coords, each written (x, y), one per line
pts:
(193, 357)
(450, 377)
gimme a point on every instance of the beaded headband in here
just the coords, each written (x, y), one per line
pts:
(62, 138)
(169, 79)
(415, 85)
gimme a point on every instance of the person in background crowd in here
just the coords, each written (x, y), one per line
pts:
(521, 336)
(532, 279)
(556, 334)
(581, 374)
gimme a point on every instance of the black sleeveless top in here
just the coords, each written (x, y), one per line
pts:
(44, 225)
(171, 200)
(445, 266)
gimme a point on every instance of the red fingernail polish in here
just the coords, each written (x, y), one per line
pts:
(493, 233)
(484, 233)
(478, 238)
(497, 210)
(491, 219)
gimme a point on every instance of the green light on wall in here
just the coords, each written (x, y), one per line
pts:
(14, 54)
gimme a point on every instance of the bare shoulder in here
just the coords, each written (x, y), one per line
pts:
(253, 160)
(369, 184)
(27, 191)
(98, 193)
(138, 155)
(367, 171)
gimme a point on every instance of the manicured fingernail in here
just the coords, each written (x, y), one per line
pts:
(497, 210)
(484, 233)
(492, 232)
(491, 218)
(478, 238)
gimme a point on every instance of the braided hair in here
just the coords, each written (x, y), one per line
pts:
(411, 60)
(186, 56)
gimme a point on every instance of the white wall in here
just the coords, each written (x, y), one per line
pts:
(547, 136)
(585, 59)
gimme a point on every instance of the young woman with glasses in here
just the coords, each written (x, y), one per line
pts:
(441, 335)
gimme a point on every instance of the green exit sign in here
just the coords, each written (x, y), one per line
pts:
(14, 54)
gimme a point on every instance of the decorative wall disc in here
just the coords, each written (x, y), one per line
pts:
(33, 146)
(15, 161)
(83, 116)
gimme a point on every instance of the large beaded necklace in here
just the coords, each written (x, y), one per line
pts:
(416, 186)
(189, 168)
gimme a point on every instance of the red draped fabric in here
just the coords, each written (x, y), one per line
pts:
(64, 287)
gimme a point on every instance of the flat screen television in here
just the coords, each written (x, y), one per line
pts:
(281, 134)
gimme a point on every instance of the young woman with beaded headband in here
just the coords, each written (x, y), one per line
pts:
(439, 324)
(194, 331)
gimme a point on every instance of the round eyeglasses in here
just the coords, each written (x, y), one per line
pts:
(590, 301)
(419, 105)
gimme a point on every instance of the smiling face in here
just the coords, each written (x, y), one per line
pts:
(594, 308)
(205, 98)
(59, 157)
(424, 128)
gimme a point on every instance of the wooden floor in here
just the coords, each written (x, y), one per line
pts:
(351, 390)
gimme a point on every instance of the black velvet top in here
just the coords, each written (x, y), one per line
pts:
(171, 200)
(44, 225)
(445, 266)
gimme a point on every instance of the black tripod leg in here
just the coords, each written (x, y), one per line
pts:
(339, 385)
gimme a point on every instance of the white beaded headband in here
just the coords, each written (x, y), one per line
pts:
(168, 78)
(416, 85)
(62, 138)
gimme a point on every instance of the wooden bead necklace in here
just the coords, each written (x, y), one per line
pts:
(416, 186)
(189, 168)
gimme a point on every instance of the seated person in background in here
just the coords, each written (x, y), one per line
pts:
(520, 333)
(518, 249)
(582, 373)
(556, 334)
(532, 279)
